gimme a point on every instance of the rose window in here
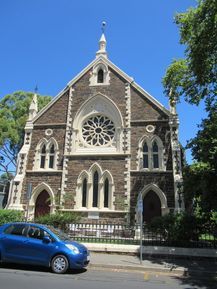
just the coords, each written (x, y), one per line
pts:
(98, 131)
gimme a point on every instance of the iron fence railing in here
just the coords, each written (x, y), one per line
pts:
(126, 234)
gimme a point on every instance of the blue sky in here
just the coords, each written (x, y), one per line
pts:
(48, 42)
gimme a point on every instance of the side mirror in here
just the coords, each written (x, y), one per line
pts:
(46, 240)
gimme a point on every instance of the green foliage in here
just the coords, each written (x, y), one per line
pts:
(59, 219)
(7, 216)
(204, 145)
(200, 185)
(176, 227)
(195, 76)
(14, 109)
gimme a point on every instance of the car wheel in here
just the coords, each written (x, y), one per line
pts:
(59, 264)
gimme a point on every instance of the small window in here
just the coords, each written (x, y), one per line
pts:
(145, 156)
(43, 157)
(51, 157)
(95, 189)
(155, 155)
(84, 193)
(100, 76)
(35, 232)
(106, 193)
(18, 229)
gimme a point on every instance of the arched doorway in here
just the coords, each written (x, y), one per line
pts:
(151, 206)
(42, 204)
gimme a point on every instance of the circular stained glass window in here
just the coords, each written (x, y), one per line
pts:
(98, 131)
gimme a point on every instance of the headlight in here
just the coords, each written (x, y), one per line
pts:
(73, 248)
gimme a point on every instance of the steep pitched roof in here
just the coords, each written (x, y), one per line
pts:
(102, 58)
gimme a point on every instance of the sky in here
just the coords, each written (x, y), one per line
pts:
(48, 42)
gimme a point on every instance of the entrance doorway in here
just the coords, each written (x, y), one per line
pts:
(42, 204)
(151, 206)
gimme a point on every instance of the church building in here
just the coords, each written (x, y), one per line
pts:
(101, 144)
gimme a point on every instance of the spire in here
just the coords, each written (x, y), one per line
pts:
(172, 102)
(102, 43)
(33, 108)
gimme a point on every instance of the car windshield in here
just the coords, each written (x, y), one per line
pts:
(60, 234)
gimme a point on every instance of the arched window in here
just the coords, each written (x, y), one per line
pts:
(100, 76)
(43, 157)
(46, 155)
(145, 156)
(95, 189)
(106, 193)
(155, 152)
(84, 193)
(51, 157)
(151, 154)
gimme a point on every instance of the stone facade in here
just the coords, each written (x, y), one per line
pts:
(98, 145)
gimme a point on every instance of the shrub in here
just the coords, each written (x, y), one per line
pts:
(178, 227)
(7, 216)
(59, 219)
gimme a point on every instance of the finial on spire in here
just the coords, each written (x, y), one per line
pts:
(36, 88)
(172, 102)
(33, 108)
(102, 43)
(103, 26)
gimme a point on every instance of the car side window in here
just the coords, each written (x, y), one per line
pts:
(35, 232)
(16, 229)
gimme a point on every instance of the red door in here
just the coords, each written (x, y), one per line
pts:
(151, 206)
(42, 204)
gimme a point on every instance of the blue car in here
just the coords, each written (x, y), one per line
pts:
(35, 244)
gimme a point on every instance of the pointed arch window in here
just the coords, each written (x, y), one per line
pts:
(51, 157)
(155, 155)
(145, 156)
(95, 189)
(100, 76)
(106, 193)
(46, 155)
(43, 157)
(84, 193)
(151, 154)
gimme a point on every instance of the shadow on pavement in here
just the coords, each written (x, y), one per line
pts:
(201, 272)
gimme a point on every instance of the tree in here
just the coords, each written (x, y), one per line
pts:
(195, 76)
(14, 110)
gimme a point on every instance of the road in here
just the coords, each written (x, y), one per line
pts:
(33, 278)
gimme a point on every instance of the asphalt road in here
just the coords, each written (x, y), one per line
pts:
(12, 276)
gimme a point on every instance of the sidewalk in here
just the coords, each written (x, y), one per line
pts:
(182, 267)
(168, 264)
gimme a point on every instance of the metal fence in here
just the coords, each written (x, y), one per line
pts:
(125, 234)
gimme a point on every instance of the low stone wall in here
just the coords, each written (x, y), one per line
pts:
(154, 250)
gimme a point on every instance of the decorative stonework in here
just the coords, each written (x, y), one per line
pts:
(102, 68)
(67, 146)
(88, 175)
(176, 158)
(98, 130)
(49, 132)
(150, 128)
(97, 127)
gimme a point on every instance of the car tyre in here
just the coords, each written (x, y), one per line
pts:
(59, 264)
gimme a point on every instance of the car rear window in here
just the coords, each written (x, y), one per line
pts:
(15, 229)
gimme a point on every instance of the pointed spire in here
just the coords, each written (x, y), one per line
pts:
(102, 43)
(33, 108)
(172, 102)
